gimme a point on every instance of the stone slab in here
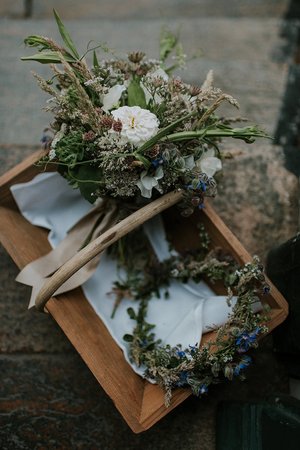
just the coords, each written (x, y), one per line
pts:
(258, 197)
(138, 9)
(23, 331)
(54, 402)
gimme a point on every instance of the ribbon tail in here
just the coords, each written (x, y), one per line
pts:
(73, 282)
(34, 292)
(37, 272)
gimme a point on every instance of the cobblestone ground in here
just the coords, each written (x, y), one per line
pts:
(48, 397)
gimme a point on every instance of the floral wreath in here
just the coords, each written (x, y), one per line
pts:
(193, 367)
(129, 130)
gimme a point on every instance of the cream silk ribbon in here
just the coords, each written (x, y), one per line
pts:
(91, 225)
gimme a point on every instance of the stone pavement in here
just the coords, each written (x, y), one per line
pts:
(48, 397)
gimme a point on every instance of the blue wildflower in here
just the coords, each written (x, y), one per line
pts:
(180, 353)
(266, 289)
(157, 162)
(193, 349)
(201, 185)
(246, 340)
(203, 389)
(243, 364)
(144, 343)
(45, 139)
(183, 380)
(201, 205)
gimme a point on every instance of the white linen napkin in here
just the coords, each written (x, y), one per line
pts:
(191, 309)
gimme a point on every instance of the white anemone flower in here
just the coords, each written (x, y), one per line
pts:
(111, 99)
(138, 125)
(147, 182)
(209, 163)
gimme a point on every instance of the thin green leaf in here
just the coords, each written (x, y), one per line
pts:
(48, 57)
(247, 134)
(95, 60)
(37, 41)
(161, 134)
(65, 35)
(143, 160)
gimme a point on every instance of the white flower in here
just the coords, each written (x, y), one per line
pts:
(147, 183)
(208, 163)
(93, 81)
(59, 135)
(111, 99)
(52, 154)
(138, 125)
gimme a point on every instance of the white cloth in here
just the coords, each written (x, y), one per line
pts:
(48, 201)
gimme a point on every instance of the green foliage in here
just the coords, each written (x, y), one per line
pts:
(88, 178)
(95, 60)
(185, 115)
(168, 42)
(70, 148)
(66, 36)
(194, 367)
(136, 95)
(37, 41)
(48, 57)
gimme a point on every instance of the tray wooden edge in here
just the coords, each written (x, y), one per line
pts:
(275, 299)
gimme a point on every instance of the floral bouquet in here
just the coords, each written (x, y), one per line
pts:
(127, 132)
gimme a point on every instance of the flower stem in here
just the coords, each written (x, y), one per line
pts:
(247, 134)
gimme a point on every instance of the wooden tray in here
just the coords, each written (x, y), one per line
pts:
(140, 403)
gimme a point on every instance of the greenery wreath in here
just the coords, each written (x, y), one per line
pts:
(194, 367)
